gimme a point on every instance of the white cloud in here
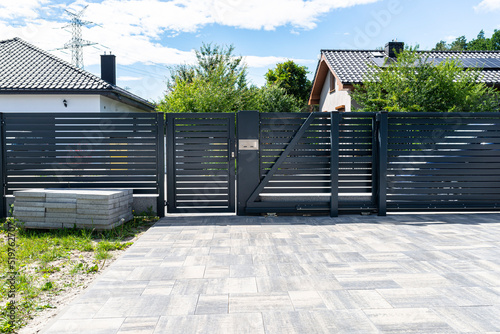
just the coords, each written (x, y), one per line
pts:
(153, 17)
(21, 8)
(487, 6)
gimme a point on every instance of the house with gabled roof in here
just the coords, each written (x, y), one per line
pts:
(339, 70)
(33, 80)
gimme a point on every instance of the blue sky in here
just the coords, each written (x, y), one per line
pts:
(149, 35)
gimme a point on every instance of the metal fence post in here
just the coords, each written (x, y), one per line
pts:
(247, 170)
(334, 163)
(382, 163)
(3, 209)
(160, 204)
(170, 157)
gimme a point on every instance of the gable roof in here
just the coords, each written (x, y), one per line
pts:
(351, 65)
(24, 68)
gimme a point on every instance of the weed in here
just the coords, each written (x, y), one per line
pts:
(44, 269)
(47, 286)
(92, 269)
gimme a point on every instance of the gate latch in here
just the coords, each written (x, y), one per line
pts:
(248, 144)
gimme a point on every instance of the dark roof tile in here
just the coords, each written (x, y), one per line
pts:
(351, 66)
(25, 66)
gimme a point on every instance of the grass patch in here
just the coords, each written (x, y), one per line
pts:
(42, 257)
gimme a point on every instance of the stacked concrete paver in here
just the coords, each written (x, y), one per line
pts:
(66, 208)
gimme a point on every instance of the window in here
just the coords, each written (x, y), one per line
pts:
(332, 82)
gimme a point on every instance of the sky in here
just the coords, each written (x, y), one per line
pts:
(148, 36)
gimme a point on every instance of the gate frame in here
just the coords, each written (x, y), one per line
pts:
(170, 162)
(249, 184)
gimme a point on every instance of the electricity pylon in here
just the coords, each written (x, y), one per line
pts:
(76, 43)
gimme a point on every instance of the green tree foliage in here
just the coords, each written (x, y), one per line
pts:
(272, 98)
(218, 83)
(441, 46)
(414, 84)
(292, 78)
(459, 44)
(495, 40)
(480, 43)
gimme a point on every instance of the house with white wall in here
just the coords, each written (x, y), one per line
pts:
(33, 80)
(339, 70)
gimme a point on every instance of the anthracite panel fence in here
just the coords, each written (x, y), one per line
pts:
(83, 150)
(443, 161)
(353, 161)
(284, 162)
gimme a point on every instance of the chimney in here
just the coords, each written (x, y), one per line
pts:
(392, 48)
(108, 68)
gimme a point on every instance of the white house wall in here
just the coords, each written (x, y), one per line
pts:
(55, 103)
(331, 100)
(48, 103)
(110, 105)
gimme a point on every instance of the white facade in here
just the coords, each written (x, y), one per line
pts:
(56, 103)
(333, 97)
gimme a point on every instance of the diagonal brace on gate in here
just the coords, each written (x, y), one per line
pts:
(291, 145)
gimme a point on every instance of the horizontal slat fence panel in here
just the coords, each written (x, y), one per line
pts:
(443, 161)
(83, 150)
(356, 140)
(305, 175)
(200, 174)
(276, 132)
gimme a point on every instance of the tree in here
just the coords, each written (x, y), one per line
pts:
(441, 46)
(480, 43)
(217, 83)
(459, 44)
(495, 40)
(292, 78)
(413, 83)
(272, 98)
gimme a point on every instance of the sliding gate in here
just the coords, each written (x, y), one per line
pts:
(200, 162)
(307, 162)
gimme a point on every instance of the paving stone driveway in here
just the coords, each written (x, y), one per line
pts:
(352, 274)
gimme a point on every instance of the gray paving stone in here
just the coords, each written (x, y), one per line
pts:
(415, 297)
(338, 300)
(82, 311)
(85, 326)
(358, 282)
(212, 323)
(212, 304)
(137, 306)
(139, 325)
(296, 322)
(217, 272)
(249, 303)
(159, 288)
(408, 320)
(306, 300)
